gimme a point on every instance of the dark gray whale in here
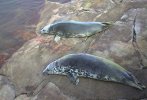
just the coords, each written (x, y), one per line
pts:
(90, 66)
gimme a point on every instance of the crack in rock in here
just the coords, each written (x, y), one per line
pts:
(136, 46)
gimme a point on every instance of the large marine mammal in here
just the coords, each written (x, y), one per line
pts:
(90, 66)
(74, 29)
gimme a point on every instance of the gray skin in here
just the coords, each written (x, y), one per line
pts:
(90, 66)
(74, 29)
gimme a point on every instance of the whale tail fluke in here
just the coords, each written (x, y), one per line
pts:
(133, 81)
(137, 85)
(107, 25)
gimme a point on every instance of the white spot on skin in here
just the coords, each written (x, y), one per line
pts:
(62, 70)
(94, 76)
(82, 74)
(76, 70)
(106, 77)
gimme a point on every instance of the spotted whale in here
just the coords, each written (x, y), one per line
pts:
(90, 66)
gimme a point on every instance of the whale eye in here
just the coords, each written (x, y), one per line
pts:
(139, 83)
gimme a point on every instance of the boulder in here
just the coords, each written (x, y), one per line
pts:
(7, 90)
(25, 66)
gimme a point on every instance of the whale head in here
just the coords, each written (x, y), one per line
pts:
(50, 69)
(48, 29)
(45, 30)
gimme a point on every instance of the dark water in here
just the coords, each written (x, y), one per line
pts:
(60, 1)
(18, 19)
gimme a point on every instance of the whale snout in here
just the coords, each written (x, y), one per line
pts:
(45, 72)
(50, 69)
(43, 31)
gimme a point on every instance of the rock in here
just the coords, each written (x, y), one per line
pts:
(26, 73)
(25, 67)
(23, 97)
(7, 91)
(144, 99)
(51, 92)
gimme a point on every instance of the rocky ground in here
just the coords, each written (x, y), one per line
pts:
(21, 76)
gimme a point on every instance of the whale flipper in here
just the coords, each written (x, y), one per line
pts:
(73, 78)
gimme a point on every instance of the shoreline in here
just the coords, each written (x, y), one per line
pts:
(23, 35)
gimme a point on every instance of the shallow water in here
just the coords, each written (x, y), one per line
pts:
(18, 19)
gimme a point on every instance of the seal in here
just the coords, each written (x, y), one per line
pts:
(90, 66)
(74, 29)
